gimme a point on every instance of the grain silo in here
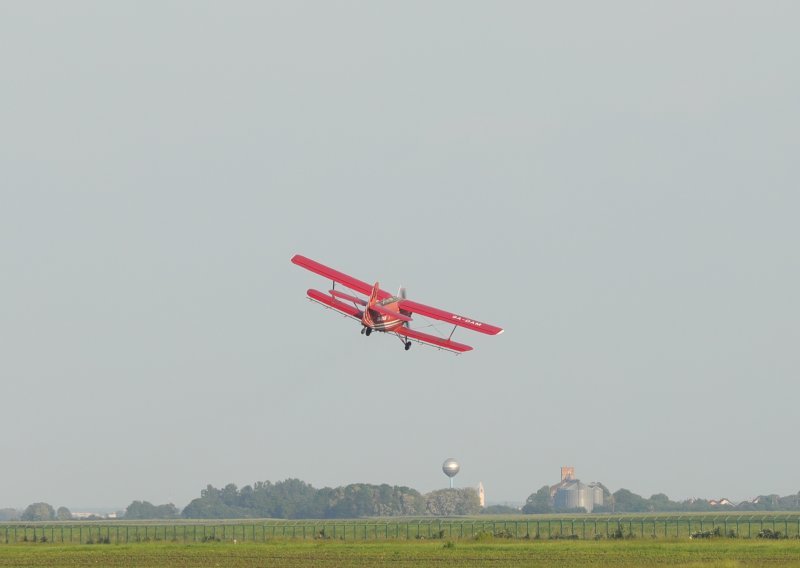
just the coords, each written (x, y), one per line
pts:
(597, 495)
(572, 495)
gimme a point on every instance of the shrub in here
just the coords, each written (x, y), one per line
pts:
(706, 534)
(564, 537)
(617, 533)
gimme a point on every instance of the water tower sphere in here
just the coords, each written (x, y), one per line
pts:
(450, 467)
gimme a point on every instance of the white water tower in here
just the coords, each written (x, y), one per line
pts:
(451, 467)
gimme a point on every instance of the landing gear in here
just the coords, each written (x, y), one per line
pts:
(362, 330)
(367, 331)
(405, 341)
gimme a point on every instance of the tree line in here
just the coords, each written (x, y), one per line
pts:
(625, 501)
(288, 499)
(36, 512)
(296, 499)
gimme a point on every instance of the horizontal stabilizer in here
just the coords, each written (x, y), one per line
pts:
(433, 340)
(325, 299)
(347, 297)
(387, 312)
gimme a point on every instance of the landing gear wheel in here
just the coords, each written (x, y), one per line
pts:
(362, 330)
(408, 345)
(367, 330)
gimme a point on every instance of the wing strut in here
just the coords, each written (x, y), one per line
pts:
(452, 332)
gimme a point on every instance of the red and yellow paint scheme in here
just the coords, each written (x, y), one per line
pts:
(386, 313)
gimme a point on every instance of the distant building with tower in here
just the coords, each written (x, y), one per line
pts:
(570, 494)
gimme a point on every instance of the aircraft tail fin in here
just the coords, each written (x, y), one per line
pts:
(374, 296)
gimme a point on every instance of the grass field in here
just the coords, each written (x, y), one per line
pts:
(463, 553)
(583, 527)
(579, 540)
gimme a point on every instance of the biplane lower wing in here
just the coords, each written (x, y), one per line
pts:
(336, 276)
(347, 297)
(326, 299)
(433, 340)
(451, 318)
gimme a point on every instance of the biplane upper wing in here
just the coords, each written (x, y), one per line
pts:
(451, 318)
(433, 340)
(327, 300)
(336, 276)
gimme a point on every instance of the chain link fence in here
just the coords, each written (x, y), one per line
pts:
(552, 528)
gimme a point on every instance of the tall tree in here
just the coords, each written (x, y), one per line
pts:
(447, 502)
(628, 502)
(539, 502)
(63, 514)
(38, 512)
(145, 510)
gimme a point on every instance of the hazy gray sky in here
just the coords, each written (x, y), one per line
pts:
(615, 184)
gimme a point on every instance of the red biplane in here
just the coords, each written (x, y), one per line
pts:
(381, 311)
